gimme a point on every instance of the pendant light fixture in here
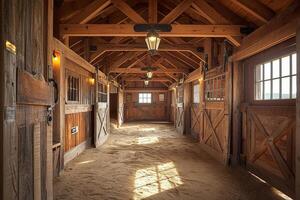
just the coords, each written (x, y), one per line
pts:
(146, 82)
(152, 41)
(149, 74)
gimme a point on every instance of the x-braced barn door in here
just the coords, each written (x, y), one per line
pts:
(179, 120)
(216, 114)
(270, 144)
(101, 113)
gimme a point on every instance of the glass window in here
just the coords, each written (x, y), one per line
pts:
(276, 79)
(196, 94)
(73, 88)
(145, 97)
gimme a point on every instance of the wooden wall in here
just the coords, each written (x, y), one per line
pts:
(157, 110)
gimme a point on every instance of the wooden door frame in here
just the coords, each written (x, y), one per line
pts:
(297, 153)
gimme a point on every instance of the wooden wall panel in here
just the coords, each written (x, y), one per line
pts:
(155, 111)
(85, 129)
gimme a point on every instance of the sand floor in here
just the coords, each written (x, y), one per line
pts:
(151, 161)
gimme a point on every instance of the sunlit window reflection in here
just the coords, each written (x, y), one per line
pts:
(147, 140)
(156, 179)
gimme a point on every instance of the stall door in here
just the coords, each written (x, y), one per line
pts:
(28, 98)
(214, 135)
(101, 125)
(270, 144)
(120, 107)
(196, 114)
(179, 120)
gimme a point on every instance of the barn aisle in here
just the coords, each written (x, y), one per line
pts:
(151, 161)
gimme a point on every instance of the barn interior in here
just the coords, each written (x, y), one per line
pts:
(148, 99)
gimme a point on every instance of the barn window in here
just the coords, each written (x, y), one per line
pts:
(102, 92)
(196, 93)
(73, 88)
(214, 88)
(276, 79)
(161, 97)
(145, 97)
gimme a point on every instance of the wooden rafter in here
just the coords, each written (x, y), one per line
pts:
(256, 9)
(152, 18)
(142, 47)
(178, 10)
(127, 10)
(89, 12)
(139, 71)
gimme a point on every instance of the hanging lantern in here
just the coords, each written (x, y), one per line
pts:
(149, 74)
(152, 41)
(146, 82)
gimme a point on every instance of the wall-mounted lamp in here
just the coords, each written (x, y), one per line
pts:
(146, 82)
(92, 81)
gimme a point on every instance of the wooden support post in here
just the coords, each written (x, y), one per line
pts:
(187, 108)
(87, 48)
(297, 154)
(237, 95)
(209, 51)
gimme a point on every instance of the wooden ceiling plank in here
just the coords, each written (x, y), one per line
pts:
(127, 30)
(152, 12)
(176, 12)
(256, 9)
(89, 12)
(127, 10)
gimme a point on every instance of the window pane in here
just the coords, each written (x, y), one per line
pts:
(285, 66)
(276, 89)
(267, 71)
(276, 70)
(267, 90)
(294, 63)
(259, 72)
(259, 91)
(294, 87)
(285, 88)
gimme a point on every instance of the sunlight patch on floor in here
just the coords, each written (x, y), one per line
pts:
(86, 162)
(148, 129)
(147, 140)
(274, 190)
(156, 179)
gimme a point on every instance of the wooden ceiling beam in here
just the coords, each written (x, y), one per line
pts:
(89, 12)
(139, 71)
(256, 9)
(152, 15)
(176, 12)
(127, 30)
(142, 47)
(128, 11)
(152, 79)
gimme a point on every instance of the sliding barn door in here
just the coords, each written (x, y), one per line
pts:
(270, 144)
(179, 119)
(101, 111)
(215, 117)
(28, 98)
(120, 107)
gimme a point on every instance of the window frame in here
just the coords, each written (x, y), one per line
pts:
(77, 76)
(199, 99)
(271, 79)
(102, 93)
(141, 93)
(248, 65)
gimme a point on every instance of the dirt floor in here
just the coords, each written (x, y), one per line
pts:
(151, 161)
